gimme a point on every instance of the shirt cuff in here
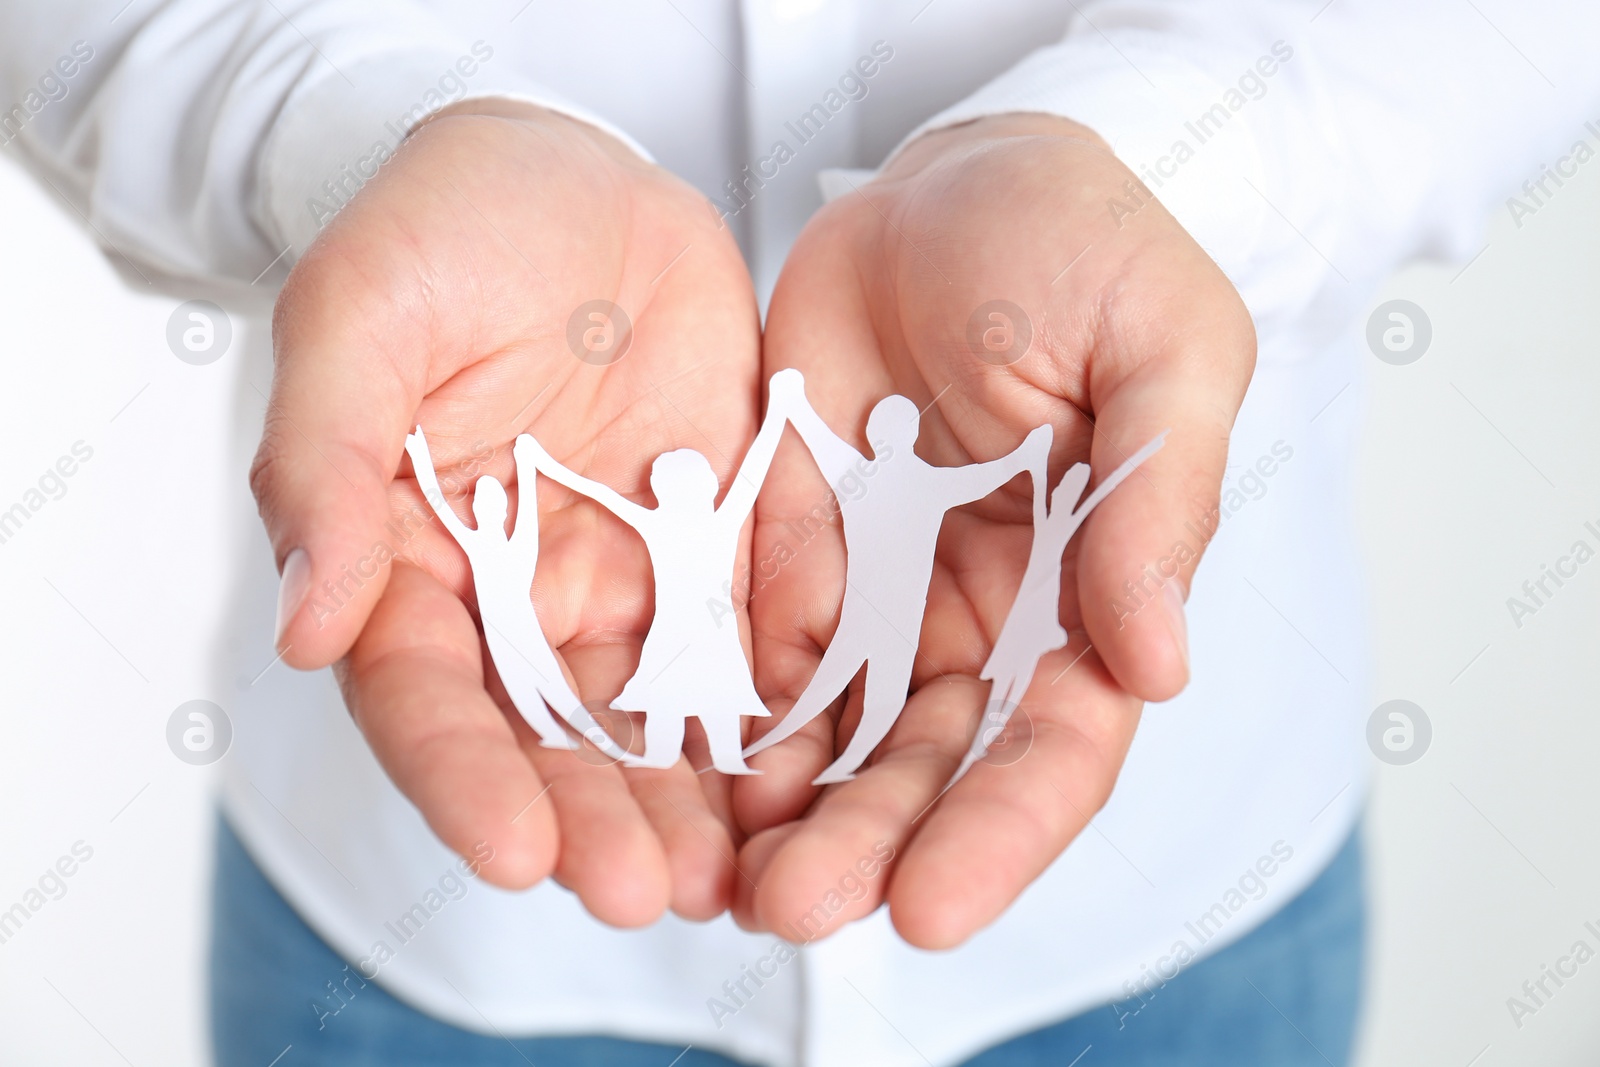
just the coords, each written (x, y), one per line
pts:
(1175, 126)
(336, 131)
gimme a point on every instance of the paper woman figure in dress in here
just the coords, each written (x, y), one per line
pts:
(890, 534)
(691, 664)
(1033, 625)
(502, 574)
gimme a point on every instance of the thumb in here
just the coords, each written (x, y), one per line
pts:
(335, 427)
(1143, 542)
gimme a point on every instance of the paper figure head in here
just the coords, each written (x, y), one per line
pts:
(1067, 491)
(489, 504)
(683, 477)
(895, 421)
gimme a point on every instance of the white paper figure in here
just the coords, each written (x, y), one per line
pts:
(502, 574)
(690, 664)
(1033, 625)
(890, 534)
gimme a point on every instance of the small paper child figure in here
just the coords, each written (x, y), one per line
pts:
(1033, 625)
(691, 665)
(502, 574)
(891, 533)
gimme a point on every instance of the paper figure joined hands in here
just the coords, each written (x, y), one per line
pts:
(691, 665)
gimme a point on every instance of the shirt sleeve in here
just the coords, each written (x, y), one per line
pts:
(208, 137)
(1315, 145)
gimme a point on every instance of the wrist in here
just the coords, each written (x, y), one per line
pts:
(962, 138)
(536, 116)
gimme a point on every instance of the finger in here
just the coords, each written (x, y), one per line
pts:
(322, 471)
(700, 852)
(782, 790)
(821, 326)
(1141, 545)
(754, 858)
(695, 847)
(414, 684)
(611, 855)
(818, 880)
(796, 588)
(716, 790)
(1000, 826)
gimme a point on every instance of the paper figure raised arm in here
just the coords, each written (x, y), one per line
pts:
(891, 532)
(502, 575)
(1033, 625)
(690, 663)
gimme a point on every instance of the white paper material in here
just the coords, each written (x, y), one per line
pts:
(502, 574)
(890, 534)
(691, 664)
(1033, 625)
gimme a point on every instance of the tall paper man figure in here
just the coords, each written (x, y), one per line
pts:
(890, 534)
(691, 665)
(1033, 625)
(502, 574)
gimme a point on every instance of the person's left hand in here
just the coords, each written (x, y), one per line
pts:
(1133, 331)
(424, 303)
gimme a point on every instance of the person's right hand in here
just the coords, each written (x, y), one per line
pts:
(891, 290)
(441, 296)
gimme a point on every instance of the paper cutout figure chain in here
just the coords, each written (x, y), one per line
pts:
(689, 665)
(1033, 625)
(886, 577)
(502, 575)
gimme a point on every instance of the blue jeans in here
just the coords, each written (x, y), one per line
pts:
(1285, 996)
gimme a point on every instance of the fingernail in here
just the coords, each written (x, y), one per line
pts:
(1172, 597)
(292, 590)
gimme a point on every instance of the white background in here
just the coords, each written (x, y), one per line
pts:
(1478, 467)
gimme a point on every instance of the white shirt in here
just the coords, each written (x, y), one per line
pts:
(1308, 146)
